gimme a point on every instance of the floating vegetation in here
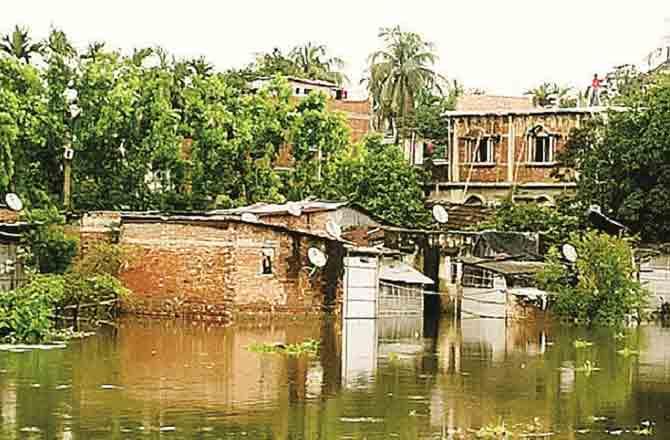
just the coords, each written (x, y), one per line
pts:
(587, 368)
(361, 420)
(643, 431)
(309, 347)
(627, 352)
(581, 343)
(492, 431)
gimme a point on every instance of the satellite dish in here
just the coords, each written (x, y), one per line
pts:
(569, 252)
(294, 210)
(316, 257)
(14, 202)
(249, 217)
(440, 214)
(333, 229)
(595, 208)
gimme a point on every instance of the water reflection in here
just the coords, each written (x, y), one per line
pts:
(392, 378)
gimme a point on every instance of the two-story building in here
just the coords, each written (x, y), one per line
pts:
(493, 153)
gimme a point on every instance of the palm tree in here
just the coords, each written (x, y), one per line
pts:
(19, 44)
(94, 50)
(200, 66)
(312, 61)
(550, 95)
(398, 73)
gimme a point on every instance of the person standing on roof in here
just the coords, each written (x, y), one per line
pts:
(595, 90)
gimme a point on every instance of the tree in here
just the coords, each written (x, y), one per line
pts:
(19, 44)
(398, 73)
(624, 164)
(552, 95)
(312, 61)
(273, 63)
(601, 287)
(377, 176)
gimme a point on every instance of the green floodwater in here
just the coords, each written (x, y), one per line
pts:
(390, 379)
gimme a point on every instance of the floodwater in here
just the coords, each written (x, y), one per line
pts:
(391, 379)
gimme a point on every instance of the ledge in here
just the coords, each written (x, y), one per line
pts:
(540, 164)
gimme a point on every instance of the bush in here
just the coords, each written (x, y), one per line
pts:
(101, 258)
(605, 289)
(555, 223)
(51, 250)
(26, 314)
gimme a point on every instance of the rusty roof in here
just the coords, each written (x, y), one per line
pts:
(270, 209)
(220, 220)
(505, 266)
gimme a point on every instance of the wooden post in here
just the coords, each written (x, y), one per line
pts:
(67, 183)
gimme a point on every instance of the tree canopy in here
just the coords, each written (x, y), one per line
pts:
(153, 132)
(624, 164)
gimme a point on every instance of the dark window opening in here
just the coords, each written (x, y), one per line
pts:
(266, 262)
(482, 152)
(297, 91)
(541, 152)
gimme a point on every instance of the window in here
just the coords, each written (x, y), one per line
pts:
(266, 261)
(308, 91)
(477, 277)
(297, 90)
(481, 152)
(541, 149)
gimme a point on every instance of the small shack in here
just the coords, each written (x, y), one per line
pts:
(501, 288)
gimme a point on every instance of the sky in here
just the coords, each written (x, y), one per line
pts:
(503, 47)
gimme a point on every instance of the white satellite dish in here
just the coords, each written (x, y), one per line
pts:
(14, 202)
(333, 229)
(440, 214)
(294, 210)
(569, 252)
(316, 257)
(249, 217)
(595, 208)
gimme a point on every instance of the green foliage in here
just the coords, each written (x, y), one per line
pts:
(310, 61)
(624, 164)
(398, 74)
(26, 314)
(51, 249)
(101, 259)
(377, 177)
(555, 223)
(606, 289)
(309, 347)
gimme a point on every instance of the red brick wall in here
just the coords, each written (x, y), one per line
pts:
(214, 271)
(497, 125)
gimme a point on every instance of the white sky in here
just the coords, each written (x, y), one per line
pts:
(502, 46)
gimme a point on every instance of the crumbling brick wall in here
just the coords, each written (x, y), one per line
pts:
(213, 270)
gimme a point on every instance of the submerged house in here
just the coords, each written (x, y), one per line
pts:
(497, 279)
(221, 267)
(259, 260)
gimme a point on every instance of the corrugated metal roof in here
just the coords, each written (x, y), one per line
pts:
(505, 267)
(264, 209)
(531, 111)
(403, 273)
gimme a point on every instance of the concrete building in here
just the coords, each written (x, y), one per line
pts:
(493, 152)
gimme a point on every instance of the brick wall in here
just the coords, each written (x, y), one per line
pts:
(499, 127)
(214, 271)
(8, 216)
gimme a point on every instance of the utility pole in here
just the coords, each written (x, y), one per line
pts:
(68, 154)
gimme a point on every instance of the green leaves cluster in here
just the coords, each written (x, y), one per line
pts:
(605, 290)
(554, 223)
(51, 249)
(624, 164)
(377, 177)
